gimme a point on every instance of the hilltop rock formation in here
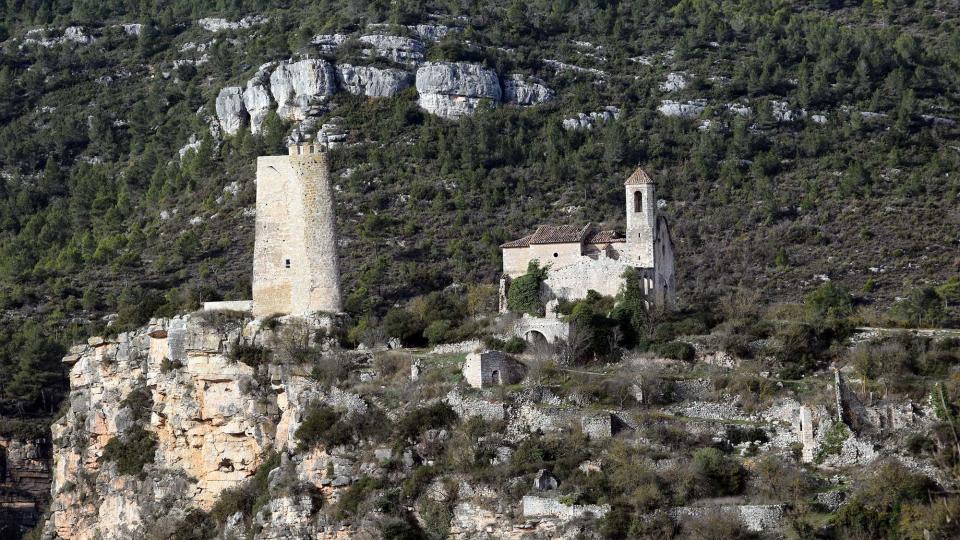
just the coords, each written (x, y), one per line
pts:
(372, 81)
(454, 89)
(298, 87)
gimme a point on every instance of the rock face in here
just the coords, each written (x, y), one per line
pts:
(399, 49)
(451, 90)
(371, 81)
(298, 87)
(256, 97)
(214, 24)
(517, 89)
(230, 110)
(213, 419)
(24, 479)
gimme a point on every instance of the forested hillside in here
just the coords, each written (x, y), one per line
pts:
(844, 168)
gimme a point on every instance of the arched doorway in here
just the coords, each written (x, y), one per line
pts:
(495, 377)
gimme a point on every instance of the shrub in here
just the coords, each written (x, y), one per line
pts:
(873, 510)
(515, 345)
(677, 350)
(720, 474)
(832, 441)
(358, 492)
(248, 497)
(324, 425)
(829, 300)
(524, 293)
(250, 354)
(133, 452)
(436, 416)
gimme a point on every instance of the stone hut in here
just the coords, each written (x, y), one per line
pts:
(492, 368)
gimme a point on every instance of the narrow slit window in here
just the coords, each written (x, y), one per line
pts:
(286, 263)
(637, 202)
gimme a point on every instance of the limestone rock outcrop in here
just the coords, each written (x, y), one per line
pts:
(256, 97)
(371, 81)
(587, 121)
(214, 421)
(525, 91)
(230, 109)
(399, 49)
(454, 89)
(299, 87)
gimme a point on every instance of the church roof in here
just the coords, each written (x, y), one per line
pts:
(565, 234)
(604, 237)
(638, 177)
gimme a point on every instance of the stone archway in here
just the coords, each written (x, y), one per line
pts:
(536, 337)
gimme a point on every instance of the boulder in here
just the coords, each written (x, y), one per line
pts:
(454, 89)
(587, 121)
(690, 109)
(230, 110)
(299, 86)
(517, 89)
(371, 81)
(256, 97)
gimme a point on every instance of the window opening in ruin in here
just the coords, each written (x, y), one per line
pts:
(286, 263)
(556, 254)
(495, 376)
(637, 201)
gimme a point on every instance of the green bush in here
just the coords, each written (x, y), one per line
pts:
(524, 293)
(250, 354)
(436, 416)
(515, 345)
(721, 475)
(133, 452)
(324, 425)
(677, 350)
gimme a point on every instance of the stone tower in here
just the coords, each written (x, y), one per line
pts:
(295, 266)
(641, 219)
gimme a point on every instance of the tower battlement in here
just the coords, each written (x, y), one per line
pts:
(305, 149)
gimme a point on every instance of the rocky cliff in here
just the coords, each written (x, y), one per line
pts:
(214, 425)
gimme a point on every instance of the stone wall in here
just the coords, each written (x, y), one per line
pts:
(755, 518)
(602, 274)
(540, 507)
(552, 329)
(295, 265)
(665, 281)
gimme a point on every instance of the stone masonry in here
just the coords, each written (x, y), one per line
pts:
(295, 266)
(491, 368)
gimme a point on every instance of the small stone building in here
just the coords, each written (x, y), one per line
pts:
(492, 368)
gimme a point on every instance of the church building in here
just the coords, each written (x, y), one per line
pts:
(582, 258)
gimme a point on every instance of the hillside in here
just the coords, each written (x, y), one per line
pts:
(794, 144)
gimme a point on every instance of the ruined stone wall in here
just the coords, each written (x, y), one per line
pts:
(572, 282)
(295, 265)
(665, 281)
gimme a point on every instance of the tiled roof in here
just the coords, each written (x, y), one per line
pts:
(549, 234)
(604, 237)
(519, 243)
(563, 234)
(638, 177)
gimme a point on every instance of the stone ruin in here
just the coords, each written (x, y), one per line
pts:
(492, 368)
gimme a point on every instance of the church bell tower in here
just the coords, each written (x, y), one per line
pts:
(641, 208)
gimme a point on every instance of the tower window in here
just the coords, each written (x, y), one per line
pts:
(556, 254)
(286, 263)
(637, 201)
